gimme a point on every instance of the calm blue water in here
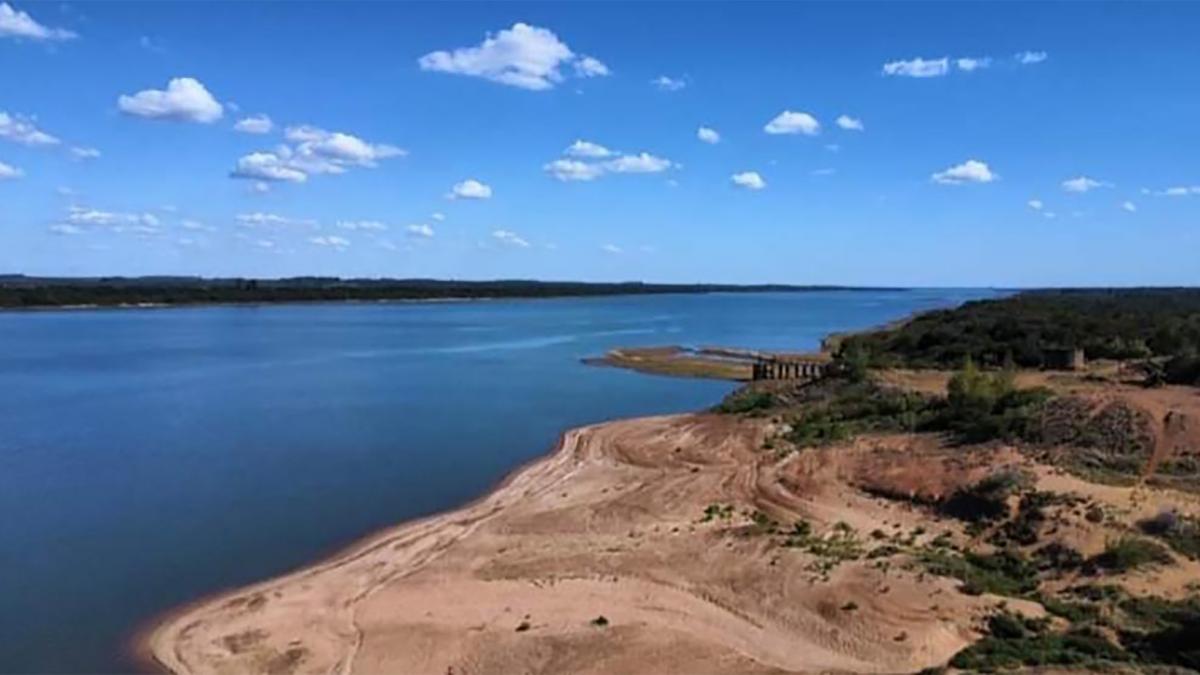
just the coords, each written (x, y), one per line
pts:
(150, 456)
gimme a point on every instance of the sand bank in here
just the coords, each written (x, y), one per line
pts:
(598, 558)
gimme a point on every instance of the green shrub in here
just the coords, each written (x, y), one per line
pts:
(1129, 553)
(746, 401)
(1003, 573)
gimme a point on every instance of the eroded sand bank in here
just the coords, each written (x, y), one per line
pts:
(610, 525)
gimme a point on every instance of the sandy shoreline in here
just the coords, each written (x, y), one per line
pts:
(608, 525)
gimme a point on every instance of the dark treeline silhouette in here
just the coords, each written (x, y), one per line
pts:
(17, 291)
(1153, 324)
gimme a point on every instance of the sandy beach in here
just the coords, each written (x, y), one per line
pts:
(609, 525)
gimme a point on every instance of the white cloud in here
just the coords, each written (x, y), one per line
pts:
(21, 130)
(9, 172)
(82, 153)
(1083, 184)
(116, 221)
(255, 124)
(332, 241)
(338, 147)
(587, 66)
(196, 226)
(749, 180)
(1029, 58)
(849, 123)
(316, 152)
(708, 135)
(612, 248)
(65, 229)
(17, 24)
(1036, 204)
(1180, 191)
(665, 83)
(789, 122)
(438, 216)
(184, 100)
(970, 171)
(522, 56)
(470, 189)
(582, 148)
(573, 170)
(968, 64)
(918, 67)
(261, 219)
(640, 163)
(267, 166)
(1129, 206)
(364, 225)
(420, 230)
(509, 238)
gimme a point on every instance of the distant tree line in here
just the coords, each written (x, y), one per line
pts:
(17, 291)
(1160, 326)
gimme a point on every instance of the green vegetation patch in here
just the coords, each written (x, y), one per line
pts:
(1014, 641)
(1105, 323)
(1180, 532)
(1129, 553)
(1003, 573)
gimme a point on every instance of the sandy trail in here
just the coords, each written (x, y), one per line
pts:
(609, 525)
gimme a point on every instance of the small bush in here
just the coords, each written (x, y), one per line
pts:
(1129, 553)
(1003, 573)
(746, 401)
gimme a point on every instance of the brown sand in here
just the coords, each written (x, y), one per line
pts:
(608, 525)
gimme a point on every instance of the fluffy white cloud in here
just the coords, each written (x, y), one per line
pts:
(522, 56)
(267, 166)
(438, 216)
(573, 170)
(364, 225)
(82, 153)
(749, 180)
(708, 135)
(116, 221)
(1035, 204)
(255, 124)
(1129, 206)
(789, 122)
(332, 241)
(590, 67)
(970, 171)
(640, 163)
(316, 151)
(338, 147)
(612, 248)
(918, 67)
(665, 83)
(968, 64)
(1083, 184)
(420, 230)
(65, 229)
(849, 123)
(1029, 58)
(21, 130)
(470, 189)
(184, 100)
(17, 24)
(509, 238)
(582, 148)
(9, 172)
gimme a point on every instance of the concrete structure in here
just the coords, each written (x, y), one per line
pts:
(1063, 359)
(789, 368)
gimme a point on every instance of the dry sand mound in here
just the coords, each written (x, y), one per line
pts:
(611, 525)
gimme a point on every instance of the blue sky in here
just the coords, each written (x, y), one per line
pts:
(978, 144)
